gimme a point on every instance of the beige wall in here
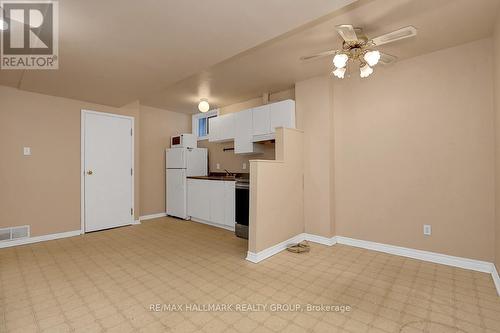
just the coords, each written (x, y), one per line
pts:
(43, 190)
(231, 161)
(276, 193)
(157, 126)
(314, 106)
(496, 57)
(414, 145)
(258, 101)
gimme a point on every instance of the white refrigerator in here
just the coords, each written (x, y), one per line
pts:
(182, 163)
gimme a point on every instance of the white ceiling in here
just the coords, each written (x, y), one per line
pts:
(275, 65)
(169, 53)
(113, 52)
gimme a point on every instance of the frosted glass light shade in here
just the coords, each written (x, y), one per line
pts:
(365, 71)
(339, 72)
(372, 57)
(340, 60)
(203, 106)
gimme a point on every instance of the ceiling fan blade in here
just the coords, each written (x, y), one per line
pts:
(406, 32)
(319, 55)
(386, 59)
(347, 32)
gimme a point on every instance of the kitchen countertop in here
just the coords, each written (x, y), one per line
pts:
(223, 178)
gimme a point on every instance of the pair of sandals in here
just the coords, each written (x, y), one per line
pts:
(301, 247)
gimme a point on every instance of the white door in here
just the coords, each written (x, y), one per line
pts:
(107, 168)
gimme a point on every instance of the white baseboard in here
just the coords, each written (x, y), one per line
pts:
(496, 279)
(438, 258)
(320, 239)
(271, 251)
(152, 216)
(135, 222)
(36, 239)
(264, 254)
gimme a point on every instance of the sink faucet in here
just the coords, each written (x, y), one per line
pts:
(228, 173)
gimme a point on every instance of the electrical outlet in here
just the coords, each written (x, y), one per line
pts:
(27, 151)
(427, 229)
(244, 167)
(217, 166)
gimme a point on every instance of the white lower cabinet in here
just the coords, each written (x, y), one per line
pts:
(211, 202)
(197, 203)
(217, 201)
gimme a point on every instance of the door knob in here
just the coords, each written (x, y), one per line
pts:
(89, 172)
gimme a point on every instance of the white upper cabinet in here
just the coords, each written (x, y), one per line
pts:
(268, 117)
(251, 125)
(214, 128)
(243, 140)
(221, 128)
(282, 114)
(261, 120)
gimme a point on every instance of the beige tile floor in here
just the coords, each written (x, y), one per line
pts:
(107, 281)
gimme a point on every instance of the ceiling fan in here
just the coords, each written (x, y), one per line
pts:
(357, 47)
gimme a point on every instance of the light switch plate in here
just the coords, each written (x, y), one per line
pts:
(27, 151)
(217, 166)
(244, 166)
(427, 229)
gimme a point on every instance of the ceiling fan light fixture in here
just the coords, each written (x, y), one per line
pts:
(203, 106)
(365, 70)
(339, 72)
(372, 57)
(340, 60)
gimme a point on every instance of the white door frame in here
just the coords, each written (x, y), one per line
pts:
(82, 166)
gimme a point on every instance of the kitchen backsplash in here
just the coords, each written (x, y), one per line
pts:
(231, 161)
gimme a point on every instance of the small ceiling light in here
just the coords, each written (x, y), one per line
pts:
(365, 70)
(203, 106)
(340, 60)
(339, 72)
(372, 57)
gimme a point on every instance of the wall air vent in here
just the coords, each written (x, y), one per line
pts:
(13, 233)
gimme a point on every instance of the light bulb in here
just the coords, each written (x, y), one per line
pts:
(372, 57)
(203, 106)
(339, 72)
(365, 71)
(340, 60)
